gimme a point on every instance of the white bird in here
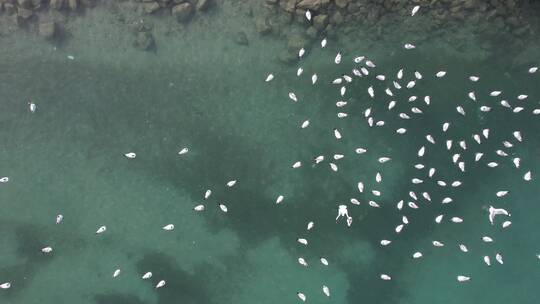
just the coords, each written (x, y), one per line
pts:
(495, 93)
(533, 70)
(59, 219)
(371, 92)
(308, 15)
(310, 225)
(301, 296)
(463, 248)
(299, 71)
(231, 183)
(498, 258)
(168, 227)
(293, 97)
(269, 77)
(409, 46)
(199, 208)
(296, 165)
(506, 224)
(223, 207)
(32, 106)
(101, 229)
(116, 273)
(385, 277)
(359, 59)
(487, 239)
(183, 151)
(437, 244)
(415, 10)
(501, 193)
(326, 290)
(438, 218)
(324, 261)
(517, 135)
(417, 255)
(207, 194)
(5, 285)
(302, 262)
(461, 278)
(314, 78)
(47, 249)
(160, 284)
(474, 78)
(527, 176)
(323, 43)
(487, 260)
(337, 134)
(4, 179)
(383, 160)
(385, 242)
(279, 199)
(456, 219)
(337, 60)
(302, 241)
(496, 211)
(130, 155)
(147, 275)
(440, 74)
(301, 52)
(305, 124)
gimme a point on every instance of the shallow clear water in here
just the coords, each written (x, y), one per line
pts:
(203, 91)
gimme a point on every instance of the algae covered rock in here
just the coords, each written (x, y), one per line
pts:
(182, 12)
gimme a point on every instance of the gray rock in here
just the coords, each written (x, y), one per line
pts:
(73, 4)
(202, 5)
(262, 26)
(9, 8)
(144, 41)
(312, 32)
(296, 42)
(24, 13)
(241, 38)
(150, 7)
(182, 12)
(337, 18)
(310, 4)
(88, 3)
(288, 57)
(342, 3)
(288, 5)
(24, 3)
(47, 29)
(56, 4)
(272, 2)
(320, 21)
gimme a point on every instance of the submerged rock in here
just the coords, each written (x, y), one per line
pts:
(182, 12)
(262, 26)
(57, 4)
(150, 7)
(203, 5)
(144, 41)
(47, 29)
(241, 38)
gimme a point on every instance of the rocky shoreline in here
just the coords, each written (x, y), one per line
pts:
(369, 20)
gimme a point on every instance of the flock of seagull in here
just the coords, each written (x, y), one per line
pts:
(365, 69)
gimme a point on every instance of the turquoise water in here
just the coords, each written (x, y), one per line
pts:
(201, 90)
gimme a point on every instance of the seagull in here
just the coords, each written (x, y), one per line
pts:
(324, 261)
(496, 211)
(5, 285)
(32, 106)
(301, 296)
(326, 290)
(168, 227)
(130, 155)
(160, 284)
(223, 207)
(116, 273)
(101, 229)
(199, 208)
(183, 151)
(147, 275)
(47, 249)
(462, 278)
(415, 10)
(279, 199)
(59, 219)
(231, 183)
(269, 77)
